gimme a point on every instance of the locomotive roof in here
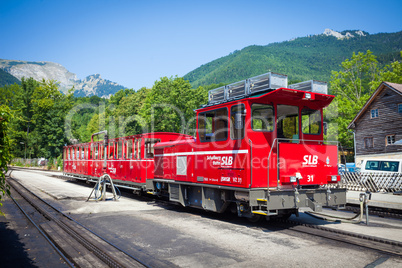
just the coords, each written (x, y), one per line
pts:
(280, 95)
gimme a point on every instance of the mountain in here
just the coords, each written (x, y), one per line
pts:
(91, 85)
(7, 79)
(303, 58)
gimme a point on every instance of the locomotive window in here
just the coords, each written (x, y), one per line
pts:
(288, 122)
(263, 117)
(236, 134)
(149, 147)
(311, 121)
(213, 125)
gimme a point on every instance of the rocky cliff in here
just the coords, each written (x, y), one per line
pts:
(91, 85)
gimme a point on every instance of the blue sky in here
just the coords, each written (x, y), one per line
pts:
(134, 43)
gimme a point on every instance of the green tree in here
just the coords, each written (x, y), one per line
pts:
(22, 125)
(393, 72)
(170, 105)
(128, 111)
(353, 85)
(50, 107)
(5, 156)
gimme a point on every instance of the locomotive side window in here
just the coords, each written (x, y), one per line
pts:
(263, 117)
(311, 121)
(288, 122)
(237, 133)
(213, 125)
(149, 147)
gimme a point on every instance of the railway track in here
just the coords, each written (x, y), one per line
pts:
(378, 244)
(77, 245)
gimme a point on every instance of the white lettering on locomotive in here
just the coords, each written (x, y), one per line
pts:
(310, 160)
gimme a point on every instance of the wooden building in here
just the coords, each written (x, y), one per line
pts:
(378, 125)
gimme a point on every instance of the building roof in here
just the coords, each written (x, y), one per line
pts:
(392, 86)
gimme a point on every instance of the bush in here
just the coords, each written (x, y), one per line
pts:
(50, 163)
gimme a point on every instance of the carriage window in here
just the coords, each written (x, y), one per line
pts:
(139, 148)
(288, 122)
(101, 151)
(235, 133)
(119, 149)
(111, 150)
(129, 149)
(311, 121)
(95, 151)
(263, 117)
(136, 149)
(213, 125)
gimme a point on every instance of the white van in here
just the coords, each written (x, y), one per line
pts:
(382, 165)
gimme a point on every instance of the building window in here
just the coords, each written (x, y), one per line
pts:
(400, 108)
(368, 142)
(374, 113)
(390, 139)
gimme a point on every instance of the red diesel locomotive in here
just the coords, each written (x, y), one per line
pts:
(259, 147)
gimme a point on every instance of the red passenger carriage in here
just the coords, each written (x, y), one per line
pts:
(259, 147)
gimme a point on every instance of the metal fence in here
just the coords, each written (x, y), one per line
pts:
(373, 182)
(32, 162)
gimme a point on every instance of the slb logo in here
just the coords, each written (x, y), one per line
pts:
(227, 161)
(310, 160)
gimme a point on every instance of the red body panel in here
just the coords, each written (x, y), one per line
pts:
(313, 162)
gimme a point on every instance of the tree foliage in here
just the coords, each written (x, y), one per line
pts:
(353, 85)
(5, 155)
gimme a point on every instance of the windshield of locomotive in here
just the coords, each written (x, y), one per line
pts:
(288, 122)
